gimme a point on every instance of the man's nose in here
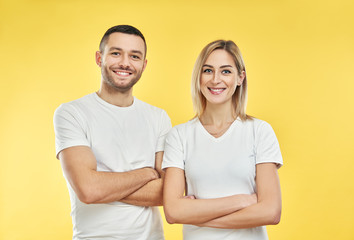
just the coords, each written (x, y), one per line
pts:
(124, 61)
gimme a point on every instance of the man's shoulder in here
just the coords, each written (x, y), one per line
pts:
(148, 107)
(75, 105)
(80, 101)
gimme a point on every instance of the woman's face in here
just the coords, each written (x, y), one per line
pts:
(219, 77)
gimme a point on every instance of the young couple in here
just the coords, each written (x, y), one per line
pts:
(216, 174)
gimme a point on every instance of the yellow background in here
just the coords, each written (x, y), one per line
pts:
(299, 58)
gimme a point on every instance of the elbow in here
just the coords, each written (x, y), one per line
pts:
(86, 195)
(274, 217)
(86, 199)
(170, 219)
(171, 214)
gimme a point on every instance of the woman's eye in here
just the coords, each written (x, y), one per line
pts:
(115, 53)
(207, 70)
(226, 71)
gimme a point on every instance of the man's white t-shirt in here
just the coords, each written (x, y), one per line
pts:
(122, 139)
(220, 167)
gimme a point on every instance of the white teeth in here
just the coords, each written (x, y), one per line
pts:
(123, 73)
(217, 89)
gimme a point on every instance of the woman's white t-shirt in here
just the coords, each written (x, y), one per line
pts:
(223, 166)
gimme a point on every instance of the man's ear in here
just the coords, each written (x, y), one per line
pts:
(145, 63)
(98, 58)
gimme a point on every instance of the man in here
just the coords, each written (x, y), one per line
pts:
(110, 145)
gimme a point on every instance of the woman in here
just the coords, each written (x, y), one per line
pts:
(223, 160)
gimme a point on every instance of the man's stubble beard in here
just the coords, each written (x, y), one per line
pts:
(110, 81)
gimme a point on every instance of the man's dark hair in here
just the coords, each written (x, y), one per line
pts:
(127, 29)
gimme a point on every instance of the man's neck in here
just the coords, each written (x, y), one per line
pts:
(117, 98)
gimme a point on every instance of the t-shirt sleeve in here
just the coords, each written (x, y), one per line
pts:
(173, 155)
(267, 146)
(68, 130)
(165, 127)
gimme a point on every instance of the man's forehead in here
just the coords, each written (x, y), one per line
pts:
(128, 42)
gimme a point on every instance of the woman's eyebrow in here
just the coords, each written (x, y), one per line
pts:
(206, 65)
(226, 66)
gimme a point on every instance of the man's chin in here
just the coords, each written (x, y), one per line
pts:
(122, 87)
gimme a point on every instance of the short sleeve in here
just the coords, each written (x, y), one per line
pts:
(164, 126)
(68, 130)
(267, 146)
(173, 155)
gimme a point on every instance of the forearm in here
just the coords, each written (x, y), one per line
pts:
(104, 187)
(197, 211)
(80, 169)
(179, 209)
(148, 195)
(256, 215)
(268, 209)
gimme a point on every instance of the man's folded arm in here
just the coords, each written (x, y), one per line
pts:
(151, 193)
(80, 168)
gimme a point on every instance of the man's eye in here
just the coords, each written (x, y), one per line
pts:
(115, 53)
(135, 57)
(207, 70)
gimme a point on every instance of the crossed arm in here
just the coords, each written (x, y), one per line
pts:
(179, 209)
(237, 211)
(141, 187)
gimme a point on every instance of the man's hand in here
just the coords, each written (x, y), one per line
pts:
(151, 193)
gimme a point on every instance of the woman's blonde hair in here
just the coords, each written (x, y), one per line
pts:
(239, 98)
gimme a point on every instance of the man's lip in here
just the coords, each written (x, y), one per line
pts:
(122, 73)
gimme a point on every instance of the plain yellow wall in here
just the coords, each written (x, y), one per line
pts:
(299, 58)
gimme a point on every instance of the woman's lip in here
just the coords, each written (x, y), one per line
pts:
(216, 91)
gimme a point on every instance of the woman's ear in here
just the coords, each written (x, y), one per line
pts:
(240, 78)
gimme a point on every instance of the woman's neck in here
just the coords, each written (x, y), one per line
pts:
(218, 115)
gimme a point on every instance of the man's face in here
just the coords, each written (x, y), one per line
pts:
(122, 61)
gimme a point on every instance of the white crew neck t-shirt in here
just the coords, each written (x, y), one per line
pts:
(220, 167)
(122, 139)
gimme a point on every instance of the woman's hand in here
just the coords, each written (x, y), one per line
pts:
(189, 197)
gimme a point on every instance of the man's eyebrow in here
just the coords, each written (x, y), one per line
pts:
(137, 51)
(115, 48)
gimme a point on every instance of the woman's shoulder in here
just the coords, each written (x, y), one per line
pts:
(183, 128)
(256, 125)
(190, 124)
(254, 122)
